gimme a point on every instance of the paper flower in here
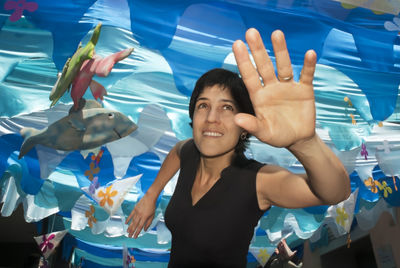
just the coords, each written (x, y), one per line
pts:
(93, 170)
(19, 8)
(263, 255)
(94, 185)
(353, 120)
(129, 259)
(46, 244)
(370, 182)
(96, 158)
(385, 147)
(90, 216)
(393, 26)
(364, 151)
(341, 216)
(385, 188)
(107, 196)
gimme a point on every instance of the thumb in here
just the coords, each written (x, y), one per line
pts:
(248, 122)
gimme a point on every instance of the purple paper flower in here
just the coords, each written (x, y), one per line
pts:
(19, 8)
(46, 244)
(364, 151)
(94, 185)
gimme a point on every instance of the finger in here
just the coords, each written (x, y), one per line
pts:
(248, 72)
(307, 73)
(138, 229)
(130, 216)
(148, 223)
(133, 226)
(283, 64)
(247, 122)
(263, 62)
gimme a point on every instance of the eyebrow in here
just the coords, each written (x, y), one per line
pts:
(222, 100)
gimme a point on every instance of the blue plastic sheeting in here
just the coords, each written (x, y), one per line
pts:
(356, 89)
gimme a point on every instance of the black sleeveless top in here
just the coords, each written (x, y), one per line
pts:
(217, 230)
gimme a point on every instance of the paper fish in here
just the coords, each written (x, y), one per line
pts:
(96, 66)
(90, 127)
(73, 66)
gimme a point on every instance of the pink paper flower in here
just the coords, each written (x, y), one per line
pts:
(46, 244)
(19, 7)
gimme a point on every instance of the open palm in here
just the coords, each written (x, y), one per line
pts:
(285, 109)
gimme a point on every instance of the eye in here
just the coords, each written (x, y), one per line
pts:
(110, 116)
(228, 107)
(202, 105)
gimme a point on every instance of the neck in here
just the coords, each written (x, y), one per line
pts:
(210, 168)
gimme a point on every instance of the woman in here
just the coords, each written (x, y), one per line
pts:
(220, 195)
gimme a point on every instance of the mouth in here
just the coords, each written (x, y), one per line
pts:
(212, 134)
(117, 133)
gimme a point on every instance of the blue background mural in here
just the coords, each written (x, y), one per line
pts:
(356, 87)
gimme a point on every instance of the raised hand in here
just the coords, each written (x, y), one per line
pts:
(141, 216)
(285, 109)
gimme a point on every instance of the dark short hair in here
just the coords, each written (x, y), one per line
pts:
(227, 80)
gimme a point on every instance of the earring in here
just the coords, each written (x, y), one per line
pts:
(243, 136)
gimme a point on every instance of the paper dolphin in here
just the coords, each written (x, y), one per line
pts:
(87, 128)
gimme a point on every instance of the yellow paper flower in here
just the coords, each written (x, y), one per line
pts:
(385, 188)
(373, 184)
(341, 217)
(107, 196)
(263, 254)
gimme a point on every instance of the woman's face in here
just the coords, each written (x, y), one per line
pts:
(214, 130)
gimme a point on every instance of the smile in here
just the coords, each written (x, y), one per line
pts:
(212, 134)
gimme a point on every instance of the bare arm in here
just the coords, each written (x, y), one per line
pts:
(325, 183)
(143, 213)
(285, 117)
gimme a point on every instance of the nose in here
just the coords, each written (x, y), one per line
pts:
(213, 115)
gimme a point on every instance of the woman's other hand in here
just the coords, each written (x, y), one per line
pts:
(141, 216)
(285, 109)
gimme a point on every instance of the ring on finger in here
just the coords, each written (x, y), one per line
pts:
(286, 78)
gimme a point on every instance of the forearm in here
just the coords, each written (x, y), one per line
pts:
(168, 169)
(326, 174)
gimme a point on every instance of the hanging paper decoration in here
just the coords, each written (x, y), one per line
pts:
(85, 215)
(73, 66)
(262, 254)
(128, 259)
(48, 242)
(79, 130)
(111, 196)
(341, 215)
(152, 63)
